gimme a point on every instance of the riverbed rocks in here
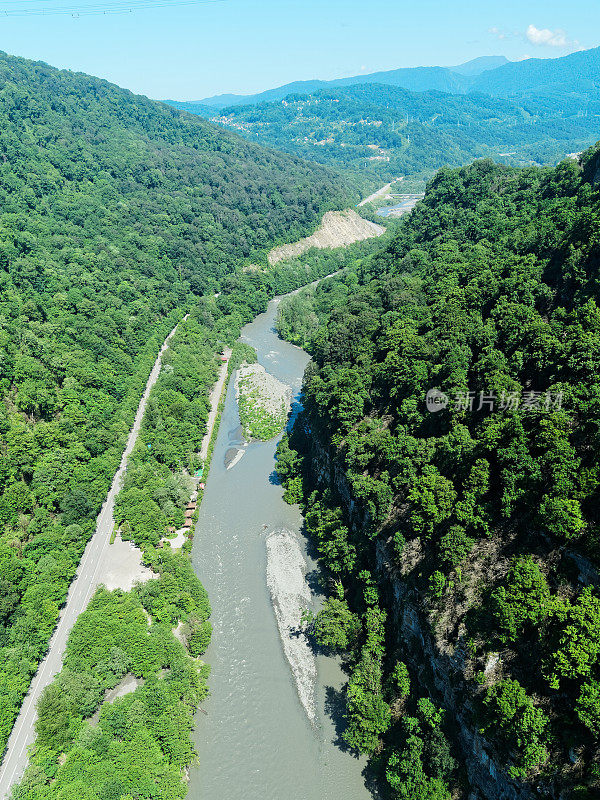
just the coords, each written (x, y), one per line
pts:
(291, 595)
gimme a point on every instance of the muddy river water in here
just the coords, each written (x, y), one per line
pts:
(256, 739)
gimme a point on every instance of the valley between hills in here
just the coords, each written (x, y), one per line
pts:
(299, 468)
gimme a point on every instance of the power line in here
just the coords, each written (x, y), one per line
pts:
(119, 7)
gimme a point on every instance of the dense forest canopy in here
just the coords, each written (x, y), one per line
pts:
(386, 131)
(480, 518)
(116, 214)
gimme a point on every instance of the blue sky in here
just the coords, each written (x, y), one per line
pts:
(243, 46)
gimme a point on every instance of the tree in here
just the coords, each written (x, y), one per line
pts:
(522, 726)
(335, 626)
(562, 517)
(523, 601)
(573, 643)
(588, 706)
(432, 498)
(199, 637)
(455, 546)
(368, 714)
(401, 679)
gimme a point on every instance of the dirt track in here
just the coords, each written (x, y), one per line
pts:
(215, 396)
(379, 193)
(92, 570)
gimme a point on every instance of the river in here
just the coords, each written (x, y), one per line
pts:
(406, 204)
(254, 737)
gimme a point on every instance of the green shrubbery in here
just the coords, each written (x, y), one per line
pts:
(514, 719)
(421, 763)
(335, 626)
(258, 421)
(523, 601)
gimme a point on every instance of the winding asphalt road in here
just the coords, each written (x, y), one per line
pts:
(80, 593)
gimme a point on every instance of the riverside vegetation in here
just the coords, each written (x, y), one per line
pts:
(140, 743)
(118, 214)
(464, 576)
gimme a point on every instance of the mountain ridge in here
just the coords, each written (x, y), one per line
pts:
(387, 131)
(439, 77)
(576, 75)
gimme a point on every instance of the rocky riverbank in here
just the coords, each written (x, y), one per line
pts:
(290, 594)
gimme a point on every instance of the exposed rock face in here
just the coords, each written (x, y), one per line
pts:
(439, 667)
(338, 228)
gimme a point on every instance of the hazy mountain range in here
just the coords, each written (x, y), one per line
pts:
(446, 79)
(576, 74)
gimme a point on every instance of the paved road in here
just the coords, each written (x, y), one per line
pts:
(379, 193)
(80, 593)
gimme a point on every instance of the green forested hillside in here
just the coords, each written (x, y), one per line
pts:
(571, 79)
(386, 131)
(97, 163)
(472, 556)
(140, 743)
(115, 212)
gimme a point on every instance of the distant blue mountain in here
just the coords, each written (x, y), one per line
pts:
(454, 80)
(559, 81)
(577, 73)
(478, 65)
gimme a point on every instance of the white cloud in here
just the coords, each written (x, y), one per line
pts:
(544, 37)
(497, 33)
(540, 37)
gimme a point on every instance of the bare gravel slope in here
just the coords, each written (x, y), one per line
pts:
(338, 228)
